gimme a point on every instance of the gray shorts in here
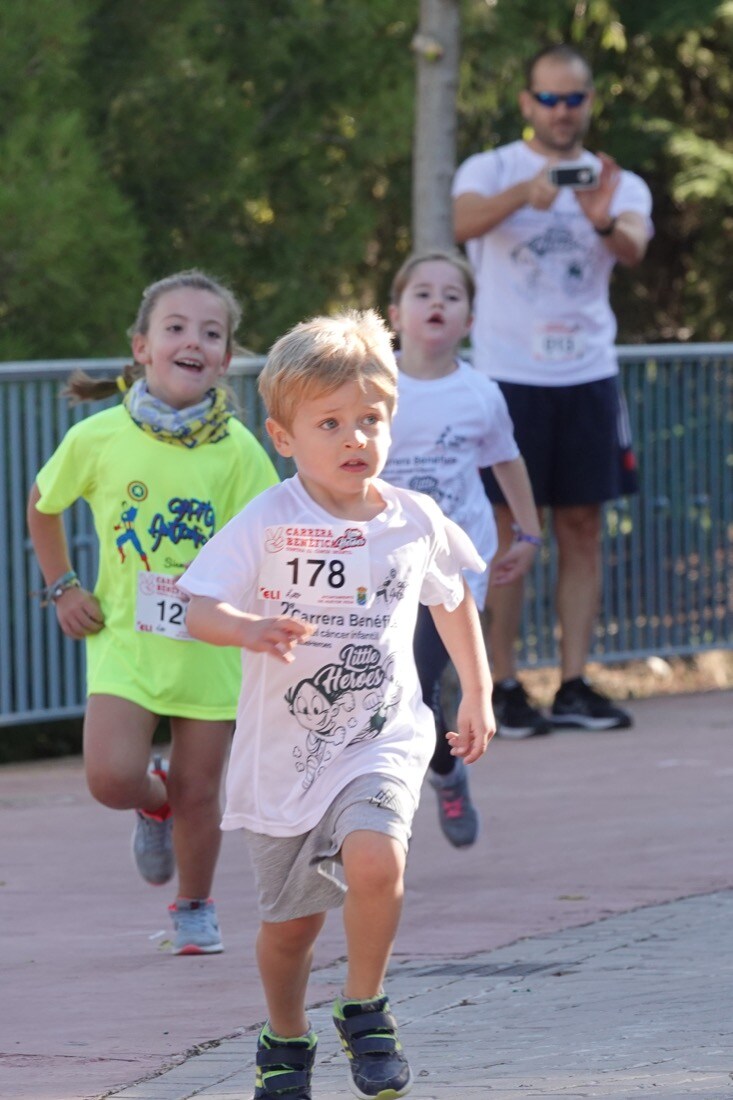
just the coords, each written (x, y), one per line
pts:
(297, 876)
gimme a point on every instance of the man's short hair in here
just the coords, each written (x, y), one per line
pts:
(557, 52)
(320, 355)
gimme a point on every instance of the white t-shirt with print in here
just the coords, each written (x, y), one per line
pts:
(443, 431)
(543, 316)
(350, 702)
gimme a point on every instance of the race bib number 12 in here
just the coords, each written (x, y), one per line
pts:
(316, 566)
(161, 607)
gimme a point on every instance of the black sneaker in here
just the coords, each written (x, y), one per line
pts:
(515, 717)
(368, 1033)
(577, 705)
(284, 1067)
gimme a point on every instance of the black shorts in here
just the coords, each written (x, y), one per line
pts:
(575, 441)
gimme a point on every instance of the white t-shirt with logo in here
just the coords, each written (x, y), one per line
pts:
(543, 316)
(350, 703)
(443, 431)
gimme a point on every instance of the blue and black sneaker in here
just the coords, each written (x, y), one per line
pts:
(284, 1066)
(368, 1033)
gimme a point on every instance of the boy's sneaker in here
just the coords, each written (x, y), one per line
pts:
(368, 1033)
(580, 706)
(284, 1067)
(196, 927)
(515, 717)
(459, 818)
(152, 838)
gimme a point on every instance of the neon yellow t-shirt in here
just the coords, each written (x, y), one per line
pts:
(154, 506)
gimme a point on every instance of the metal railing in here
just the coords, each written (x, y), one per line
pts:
(668, 552)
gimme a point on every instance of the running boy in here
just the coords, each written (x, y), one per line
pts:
(452, 420)
(320, 580)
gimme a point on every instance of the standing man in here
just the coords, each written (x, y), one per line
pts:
(544, 329)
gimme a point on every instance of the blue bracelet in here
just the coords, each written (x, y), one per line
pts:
(522, 536)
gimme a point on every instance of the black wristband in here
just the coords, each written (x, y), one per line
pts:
(608, 230)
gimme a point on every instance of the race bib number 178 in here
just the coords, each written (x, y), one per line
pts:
(317, 566)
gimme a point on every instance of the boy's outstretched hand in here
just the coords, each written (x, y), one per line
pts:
(277, 636)
(220, 623)
(476, 726)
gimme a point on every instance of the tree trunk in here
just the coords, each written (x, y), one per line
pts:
(437, 47)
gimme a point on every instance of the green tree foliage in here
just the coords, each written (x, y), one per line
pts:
(269, 143)
(272, 144)
(69, 243)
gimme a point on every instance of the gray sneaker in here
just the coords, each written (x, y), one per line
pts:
(458, 816)
(196, 927)
(152, 838)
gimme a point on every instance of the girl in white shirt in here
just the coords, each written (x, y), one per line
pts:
(452, 420)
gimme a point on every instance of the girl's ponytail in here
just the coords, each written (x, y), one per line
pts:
(83, 387)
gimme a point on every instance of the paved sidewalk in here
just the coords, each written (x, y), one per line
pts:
(640, 1003)
(581, 949)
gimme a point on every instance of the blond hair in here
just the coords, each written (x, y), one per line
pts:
(320, 355)
(457, 259)
(83, 387)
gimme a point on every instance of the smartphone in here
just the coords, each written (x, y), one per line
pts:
(579, 175)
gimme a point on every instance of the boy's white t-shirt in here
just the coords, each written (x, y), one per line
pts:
(543, 316)
(350, 703)
(443, 431)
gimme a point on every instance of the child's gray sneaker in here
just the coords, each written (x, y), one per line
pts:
(459, 818)
(368, 1033)
(152, 838)
(196, 927)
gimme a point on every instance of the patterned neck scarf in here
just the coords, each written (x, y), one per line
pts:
(206, 422)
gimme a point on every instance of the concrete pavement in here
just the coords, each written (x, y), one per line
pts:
(583, 948)
(638, 1003)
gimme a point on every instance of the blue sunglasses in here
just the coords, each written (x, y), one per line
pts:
(549, 99)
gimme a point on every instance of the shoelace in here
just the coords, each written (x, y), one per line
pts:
(155, 837)
(583, 690)
(197, 920)
(451, 807)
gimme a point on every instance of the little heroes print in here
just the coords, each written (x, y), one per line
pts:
(316, 566)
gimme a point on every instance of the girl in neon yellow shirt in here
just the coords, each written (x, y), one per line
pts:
(162, 472)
